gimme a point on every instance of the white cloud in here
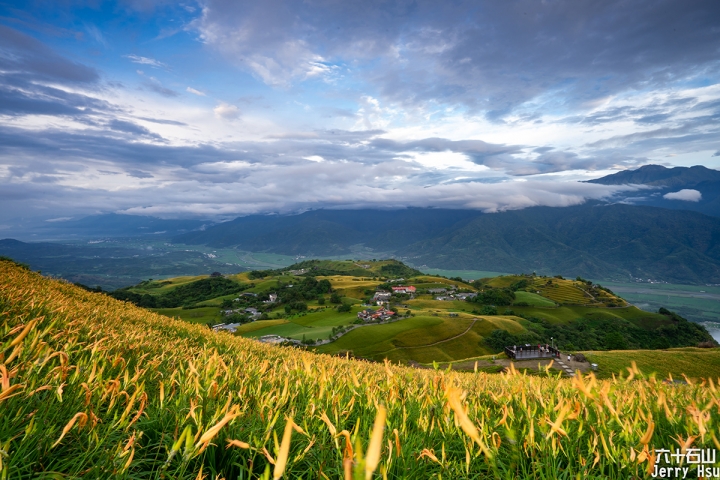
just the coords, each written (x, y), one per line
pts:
(227, 111)
(145, 61)
(686, 195)
(195, 92)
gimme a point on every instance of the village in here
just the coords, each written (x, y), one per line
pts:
(381, 298)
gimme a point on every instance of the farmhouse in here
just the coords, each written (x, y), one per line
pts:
(465, 296)
(437, 290)
(229, 327)
(382, 296)
(272, 299)
(402, 289)
(379, 314)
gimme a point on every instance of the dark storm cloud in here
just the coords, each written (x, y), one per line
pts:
(132, 128)
(489, 56)
(19, 97)
(92, 145)
(24, 56)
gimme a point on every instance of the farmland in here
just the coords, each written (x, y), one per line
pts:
(577, 315)
(98, 388)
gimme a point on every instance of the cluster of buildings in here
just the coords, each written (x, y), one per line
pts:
(382, 296)
(253, 312)
(454, 296)
(380, 314)
(408, 290)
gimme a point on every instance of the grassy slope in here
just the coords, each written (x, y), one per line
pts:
(422, 331)
(693, 362)
(533, 299)
(101, 389)
(194, 315)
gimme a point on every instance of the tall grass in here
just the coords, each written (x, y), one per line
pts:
(95, 388)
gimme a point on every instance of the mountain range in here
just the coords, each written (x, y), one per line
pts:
(94, 226)
(664, 187)
(594, 240)
(667, 230)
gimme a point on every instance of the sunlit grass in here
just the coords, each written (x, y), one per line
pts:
(91, 387)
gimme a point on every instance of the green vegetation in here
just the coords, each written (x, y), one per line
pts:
(507, 310)
(693, 362)
(494, 296)
(183, 295)
(95, 388)
(532, 300)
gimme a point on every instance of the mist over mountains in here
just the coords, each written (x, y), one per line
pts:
(631, 238)
(694, 188)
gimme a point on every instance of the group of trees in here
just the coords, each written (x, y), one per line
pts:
(308, 289)
(604, 334)
(184, 295)
(494, 296)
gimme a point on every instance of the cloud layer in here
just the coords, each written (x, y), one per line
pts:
(295, 105)
(686, 195)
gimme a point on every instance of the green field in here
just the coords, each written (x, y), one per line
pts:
(468, 274)
(533, 299)
(314, 325)
(423, 339)
(195, 315)
(242, 330)
(693, 362)
(577, 315)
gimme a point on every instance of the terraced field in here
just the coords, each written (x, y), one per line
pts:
(430, 333)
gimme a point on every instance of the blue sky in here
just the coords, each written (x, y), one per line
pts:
(222, 108)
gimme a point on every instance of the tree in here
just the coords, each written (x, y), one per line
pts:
(227, 303)
(494, 296)
(615, 341)
(321, 300)
(499, 339)
(488, 310)
(335, 298)
(344, 308)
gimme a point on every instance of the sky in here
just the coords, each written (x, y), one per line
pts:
(219, 108)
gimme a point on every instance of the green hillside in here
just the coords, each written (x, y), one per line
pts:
(91, 387)
(318, 303)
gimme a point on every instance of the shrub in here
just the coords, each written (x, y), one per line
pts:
(488, 310)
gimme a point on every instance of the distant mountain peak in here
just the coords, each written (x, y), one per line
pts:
(660, 176)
